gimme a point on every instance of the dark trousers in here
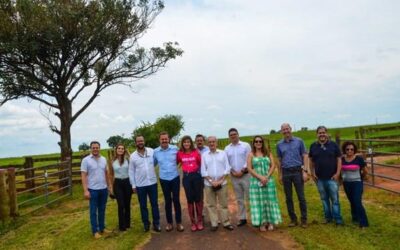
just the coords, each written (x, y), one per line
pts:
(171, 194)
(123, 193)
(193, 185)
(97, 206)
(152, 193)
(294, 176)
(354, 190)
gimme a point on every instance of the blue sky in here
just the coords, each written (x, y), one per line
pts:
(247, 64)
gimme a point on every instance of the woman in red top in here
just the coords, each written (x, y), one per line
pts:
(190, 161)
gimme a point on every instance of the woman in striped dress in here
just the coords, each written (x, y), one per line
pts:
(264, 207)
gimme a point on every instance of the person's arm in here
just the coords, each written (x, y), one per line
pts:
(312, 169)
(272, 167)
(109, 177)
(84, 178)
(85, 185)
(132, 173)
(251, 168)
(338, 169)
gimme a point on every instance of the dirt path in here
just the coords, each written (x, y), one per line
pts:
(246, 237)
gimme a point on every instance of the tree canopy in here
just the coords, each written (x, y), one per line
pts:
(53, 51)
(172, 124)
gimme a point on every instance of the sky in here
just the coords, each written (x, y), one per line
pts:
(251, 65)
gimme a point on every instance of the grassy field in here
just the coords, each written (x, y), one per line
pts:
(383, 210)
(66, 226)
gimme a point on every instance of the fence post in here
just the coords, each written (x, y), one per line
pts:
(46, 186)
(12, 192)
(69, 166)
(4, 206)
(371, 154)
(337, 138)
(29, 173)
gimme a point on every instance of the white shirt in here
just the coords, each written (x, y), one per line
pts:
(215, 165)
(237, 155)
(141, 169)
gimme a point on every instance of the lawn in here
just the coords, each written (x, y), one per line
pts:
(66, 226)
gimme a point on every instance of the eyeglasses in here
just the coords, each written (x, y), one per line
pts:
(349, 149)
(258, 141)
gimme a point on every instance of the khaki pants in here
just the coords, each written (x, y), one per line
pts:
(241, 188)
(215, 198)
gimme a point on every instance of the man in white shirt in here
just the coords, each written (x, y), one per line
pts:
(94, 182)
(237, 152)
(144, 182)
(214, 169)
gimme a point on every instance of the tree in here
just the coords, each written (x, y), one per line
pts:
(114, 140)
(83, 147)
(172, 124)
(53, 51)
(272, 131)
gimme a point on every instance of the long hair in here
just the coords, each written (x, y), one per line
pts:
(186, 137)
(264, 149)
(121, 158)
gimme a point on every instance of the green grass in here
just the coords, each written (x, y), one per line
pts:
(383, 210)
(65, 225)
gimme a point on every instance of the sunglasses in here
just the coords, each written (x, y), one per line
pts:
(349, 149)
(258, 141)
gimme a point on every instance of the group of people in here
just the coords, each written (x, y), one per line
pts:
(205, 170)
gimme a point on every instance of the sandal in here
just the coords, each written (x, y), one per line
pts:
(263, 228)
(270, 227)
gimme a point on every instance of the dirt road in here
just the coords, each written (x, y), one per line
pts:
(246, 237)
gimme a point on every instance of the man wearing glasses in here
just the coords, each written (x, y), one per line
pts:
(237, 152)
(144, 182)
(325, 164)
(292, 157)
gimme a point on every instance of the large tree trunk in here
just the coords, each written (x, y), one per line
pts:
(65, 140)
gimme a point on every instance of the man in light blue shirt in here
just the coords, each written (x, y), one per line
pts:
(165, 158)
(94, 176)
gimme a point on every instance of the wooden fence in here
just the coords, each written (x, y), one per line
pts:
(36, 183)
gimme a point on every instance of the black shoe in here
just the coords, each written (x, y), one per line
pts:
(339, 224)
(293, 224)
(242, 222)
(229, 227)
(213, 229)
(156, 228)
(326, 221)
(303, 224)
(146, 228)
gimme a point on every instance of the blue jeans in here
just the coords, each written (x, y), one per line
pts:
(354, 190)
(329, 193)
(142, 193)
(97, 206)
(171, 194)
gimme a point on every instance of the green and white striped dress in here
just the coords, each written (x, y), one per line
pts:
(264, 205)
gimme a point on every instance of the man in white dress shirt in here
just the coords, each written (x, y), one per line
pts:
(237, 152)
(144, 182)
(215, 168)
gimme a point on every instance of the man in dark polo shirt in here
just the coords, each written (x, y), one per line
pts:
(325, 167)
(292, 157)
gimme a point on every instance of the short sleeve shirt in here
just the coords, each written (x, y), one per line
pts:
(96, 171)
(324, 157)
(351, 170)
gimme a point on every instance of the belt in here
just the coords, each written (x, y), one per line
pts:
(293, 169)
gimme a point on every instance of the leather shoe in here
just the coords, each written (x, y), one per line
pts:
(228, 227)
(180, 228)
(156, 228)
(168, 227)
(293, 224)
(242, 223)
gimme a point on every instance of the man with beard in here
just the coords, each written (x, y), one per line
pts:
(144, 182)
(325, 164)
